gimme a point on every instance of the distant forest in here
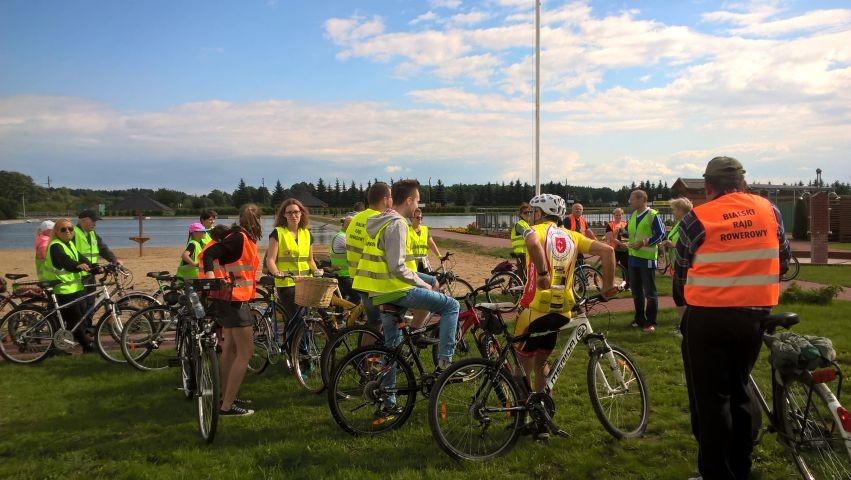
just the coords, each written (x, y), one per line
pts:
(15, 188)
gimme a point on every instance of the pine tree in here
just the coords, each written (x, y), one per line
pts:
(278, 194)
(321, 191)
(241, 196)
(439, 193)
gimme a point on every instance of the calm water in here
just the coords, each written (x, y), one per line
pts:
(170, 232)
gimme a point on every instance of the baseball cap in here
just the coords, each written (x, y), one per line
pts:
(197, 227)
(723, 166)
(89, 213)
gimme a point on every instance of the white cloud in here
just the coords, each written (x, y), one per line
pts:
(450, 4)
(429, 16)
(470, 18)
(761, 21)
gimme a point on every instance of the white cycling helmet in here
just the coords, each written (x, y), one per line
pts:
(550, 204)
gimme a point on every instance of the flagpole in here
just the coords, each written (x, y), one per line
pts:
(537, 97)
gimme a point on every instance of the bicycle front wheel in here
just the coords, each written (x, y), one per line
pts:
(457, 288)
(262, 338)
(474, 411)
(811, 430)
(344, 342)
(149, 338)
(792, 272)
(207, 395)
(373, 391)
(26, 335)
(108, 336)
(509, 289)
(618, 393)
(308, 342)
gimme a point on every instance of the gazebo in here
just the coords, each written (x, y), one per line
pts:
(140, 204)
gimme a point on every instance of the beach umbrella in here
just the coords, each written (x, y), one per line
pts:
(140, 204)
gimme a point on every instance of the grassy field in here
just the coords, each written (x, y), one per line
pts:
(83, 418)
(827, 275)
(841, 245)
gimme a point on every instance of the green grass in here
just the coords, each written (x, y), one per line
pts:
(83, 418)
(841, 245)
(827, 275)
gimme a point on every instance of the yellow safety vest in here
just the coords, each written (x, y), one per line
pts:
(518, 243)
(87, 246)
(292, 257)
(373, 274)
(643, 230)
(419, 241)
(72, 282)
(356, 237)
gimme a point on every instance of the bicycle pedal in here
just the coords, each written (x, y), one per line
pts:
(173, 362)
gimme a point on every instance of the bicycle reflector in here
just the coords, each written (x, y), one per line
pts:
(844, 417)
(824, 375)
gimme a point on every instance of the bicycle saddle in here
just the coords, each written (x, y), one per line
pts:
(784, 319)
(267, 281)
(49, 283)
(499, 307)
(157, 274)
(16, 276)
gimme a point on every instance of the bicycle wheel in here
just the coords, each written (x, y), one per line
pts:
(810, 429)
(592, 278)
(465, 345)
(108, 334)
(509, 289)
(149, 338)
(262, 336)
(308, 342)
(344, 342)
(474, 411)
(618, 393)
(792, 272)
(207, 395)
(26, 335)
(364, 384)
(457, 287)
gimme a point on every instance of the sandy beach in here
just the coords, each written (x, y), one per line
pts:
(473, 268)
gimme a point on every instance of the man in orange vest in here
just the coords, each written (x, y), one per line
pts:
(730, 254)
(576, 221)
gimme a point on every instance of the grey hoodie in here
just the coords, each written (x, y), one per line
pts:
(393, 243)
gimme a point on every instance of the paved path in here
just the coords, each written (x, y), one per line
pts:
(474, 239)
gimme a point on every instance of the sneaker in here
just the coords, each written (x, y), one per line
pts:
(236, 411)
(649, 329)
(634, 325)
(386, 414)
(678, 333)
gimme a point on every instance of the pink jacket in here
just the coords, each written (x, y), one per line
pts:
(41, 243)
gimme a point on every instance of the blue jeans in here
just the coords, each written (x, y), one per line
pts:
(642, 281)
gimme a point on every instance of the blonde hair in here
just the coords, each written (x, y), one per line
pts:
(58, 224)
(618, 210)
(682, 203)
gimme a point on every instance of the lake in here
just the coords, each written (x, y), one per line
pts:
(171, 232)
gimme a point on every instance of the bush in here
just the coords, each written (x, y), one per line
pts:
(817, 296)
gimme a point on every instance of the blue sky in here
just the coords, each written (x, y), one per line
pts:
(193, 95)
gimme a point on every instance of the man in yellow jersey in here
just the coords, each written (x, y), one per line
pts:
(551, 252)
(380, 199)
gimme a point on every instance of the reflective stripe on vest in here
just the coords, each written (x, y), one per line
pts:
(72, 282)
(242, 273)
(738, 263)
(640, 232)
(87, 246)
(356, 237)
(338, 259)
(292, 257)
(373, 274)
(518, 243)
(419, 241)
(553, 239)
(185, 270)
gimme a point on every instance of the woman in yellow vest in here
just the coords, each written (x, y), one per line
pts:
(421, 242)
(518, 245)
(188, 267)
(290, 251)
(63, 262)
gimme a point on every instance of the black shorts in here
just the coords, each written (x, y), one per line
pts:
(545, 343)
(232, 314)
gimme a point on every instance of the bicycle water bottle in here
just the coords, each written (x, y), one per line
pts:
(557, 288)
(197, 308)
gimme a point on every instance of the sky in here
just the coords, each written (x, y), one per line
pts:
(193, 95)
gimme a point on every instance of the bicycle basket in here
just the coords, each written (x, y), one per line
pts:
(792, 352)
(314, 291)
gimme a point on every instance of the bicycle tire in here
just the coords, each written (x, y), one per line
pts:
(149, 338)
(793, 271)
(345, 341)
(813, 434)
(584, 276)
(358, 380)
(597, 367)
(464, 346)
(472, 373)
(262, 337)
(13, 347)
(187, 367)
(510, 290)
(207, 394)
(457, 288)
(108, 333)
(313, 334)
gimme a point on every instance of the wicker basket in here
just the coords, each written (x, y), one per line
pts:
(314, 291)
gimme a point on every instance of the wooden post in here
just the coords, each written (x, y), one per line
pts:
(141, 239)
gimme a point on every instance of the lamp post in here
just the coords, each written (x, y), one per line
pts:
(537, 97)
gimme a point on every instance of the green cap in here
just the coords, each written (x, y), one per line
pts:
(719, 166)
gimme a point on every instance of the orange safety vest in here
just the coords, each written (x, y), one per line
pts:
(738, 263)
(582, 225)
(243, 272)
(616, 228)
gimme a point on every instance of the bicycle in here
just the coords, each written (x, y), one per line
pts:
(511, 278)
(478, 407)
(793, 271)
(29, 333)
(450, 284)
(19, 292)
(806, 415)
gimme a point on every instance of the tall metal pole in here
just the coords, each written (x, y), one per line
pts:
(537, 97)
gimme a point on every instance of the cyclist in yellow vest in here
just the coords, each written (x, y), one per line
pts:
(379, 198)
(91, 246)
(422, 242)
(645, 230)
(63, 262)
(386, 273)
(188, 267)
(518, 245)
(551, 253)
(341, 263)
(290, 251)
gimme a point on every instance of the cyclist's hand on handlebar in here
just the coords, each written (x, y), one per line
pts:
(84, 267)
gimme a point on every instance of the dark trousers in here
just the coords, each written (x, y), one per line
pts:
(286, 298)
(720, 347)
(642, 283)
(622, 259)
(373, 319)
(90, 284)
(346, 291)
(73, 315)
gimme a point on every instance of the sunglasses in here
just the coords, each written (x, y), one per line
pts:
(66, 229)
(294, 212)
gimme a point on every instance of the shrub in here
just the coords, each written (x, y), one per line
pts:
(817, 296)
